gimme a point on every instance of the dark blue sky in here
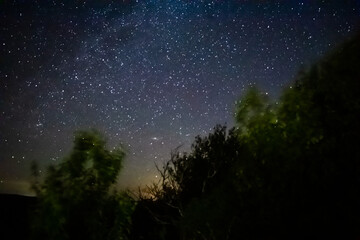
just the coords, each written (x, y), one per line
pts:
(148, 74)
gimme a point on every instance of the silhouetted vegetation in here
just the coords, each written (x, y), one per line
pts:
(287, 169)
(75, 199)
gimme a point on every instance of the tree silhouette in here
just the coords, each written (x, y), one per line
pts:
(182, 203)
(300, 167)
(75, 200)
(289, 167)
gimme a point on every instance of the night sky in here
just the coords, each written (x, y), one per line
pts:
(148, 74)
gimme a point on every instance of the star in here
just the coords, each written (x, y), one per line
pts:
(149, 75)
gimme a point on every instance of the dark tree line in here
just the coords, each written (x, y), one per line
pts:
(290, 168)
(287, 169)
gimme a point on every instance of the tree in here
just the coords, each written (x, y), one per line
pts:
(290, 167)
(74, 201)
(301, 169)
(193, 199)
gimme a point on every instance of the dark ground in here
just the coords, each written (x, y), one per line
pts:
(15, 216)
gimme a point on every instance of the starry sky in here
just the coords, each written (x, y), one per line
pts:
(150, 75)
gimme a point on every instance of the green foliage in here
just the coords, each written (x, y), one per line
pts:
(75, 200)
(290, 167)
(301, 160)
(249, 109)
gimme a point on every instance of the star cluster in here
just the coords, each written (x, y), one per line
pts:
(150, 75)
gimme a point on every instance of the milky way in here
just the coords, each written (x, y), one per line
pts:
(150, 75)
